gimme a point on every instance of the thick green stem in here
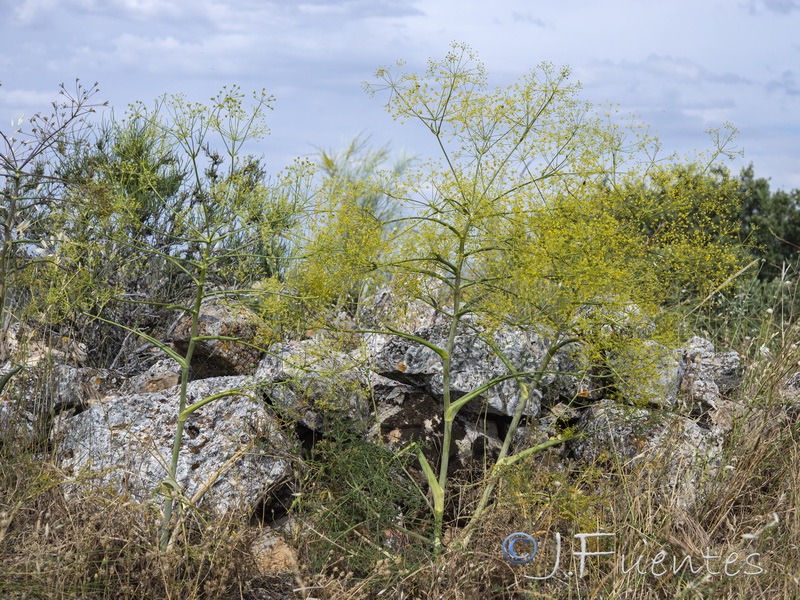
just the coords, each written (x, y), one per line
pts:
(446, 364)
(438, 513)
(448, 424)
(176, 445)
(503, 456)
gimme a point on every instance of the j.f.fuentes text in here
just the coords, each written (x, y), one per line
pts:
(521, 548)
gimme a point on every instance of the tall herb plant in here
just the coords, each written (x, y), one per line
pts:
(513, 224)
(221, 220)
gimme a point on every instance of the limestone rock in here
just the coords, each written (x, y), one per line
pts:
(406, 414)
(302, 379)
(126, 443)
(219, 358)
(680, 455)
(610, 429)
(789, 394)
(163, 374)
(27, 346)
(79, 388)
(62, 389)
(706, 373)
(615, 316)
(685, 457)
(16, 422)
(708, 380)
(386, 307)
(473, 364)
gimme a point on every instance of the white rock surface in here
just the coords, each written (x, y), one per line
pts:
(126, 443)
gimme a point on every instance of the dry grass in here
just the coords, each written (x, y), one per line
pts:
(748, 515)
(104, 546)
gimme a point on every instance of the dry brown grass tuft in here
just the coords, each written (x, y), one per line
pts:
(104, 545)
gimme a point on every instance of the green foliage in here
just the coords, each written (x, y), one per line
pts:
(359, 497)
(197, 205)
(37, 271)
(277, 217)
(770, 222)
(684, 219)
(211, 188)
(354, 213)
(343, 245)
(131, 160)
(359, 163)
(542, 211)
(751, 309)
(126, 191)
(170, 190)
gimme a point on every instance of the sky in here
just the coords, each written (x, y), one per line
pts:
(682, 66)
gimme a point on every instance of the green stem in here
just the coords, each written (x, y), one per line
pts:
(176, 446)
(502, 458)
(448, 417)
(7, 377)
(6, 258)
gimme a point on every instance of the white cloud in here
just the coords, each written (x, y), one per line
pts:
(11, 97)
(32, 11)
(712, 115)
(135, 55)
(787, 84)
(18, 103)
(682, 64)
(359, 8)
(673, 69)
(29, 10)
(782, 7)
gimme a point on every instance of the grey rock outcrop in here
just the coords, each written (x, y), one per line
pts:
(15, 421)
(708, 381)
(303, 379)
(682, 443)
(474, 364)
(61, 388)
(232, 446)
(683, 409)
(407, 414)
(162, 375)
(219, 358)
(608, 429)
(708, 376)
(680, 455)
(76, 388)
(386, 307)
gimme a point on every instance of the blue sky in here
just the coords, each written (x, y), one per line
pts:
(682, 66)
